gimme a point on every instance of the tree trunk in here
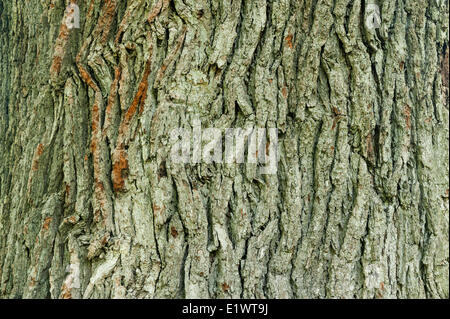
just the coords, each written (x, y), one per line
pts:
(92, 205)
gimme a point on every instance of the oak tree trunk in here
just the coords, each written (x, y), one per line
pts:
(92, 206)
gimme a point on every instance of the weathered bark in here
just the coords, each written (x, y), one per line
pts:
(91, 206)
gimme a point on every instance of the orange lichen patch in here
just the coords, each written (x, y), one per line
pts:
(120, 169)
(173, 232)
(65, 292)
(32, 282)
(56, 65)
(334, 123)
(284, 91)
(138, 100)
(407, 113)
(104, 240)
(336, 111)
(156, 208)
(225, 287)
(446, 193)
(107, 18)
(288, 40)
(47, 222)
(267, 148)
(95, 120)
(94, 142)
(141, 95)
(97, 215)
(39, 151)
(72, 219)
(87, 78)
(120, 161)
(99, 189)
(59, 50)
(91, 8)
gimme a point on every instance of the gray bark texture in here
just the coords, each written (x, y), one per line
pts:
(91, 205)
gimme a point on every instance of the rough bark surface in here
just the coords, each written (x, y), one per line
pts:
(91, 206)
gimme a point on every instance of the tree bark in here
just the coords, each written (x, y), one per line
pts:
(92, 206)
